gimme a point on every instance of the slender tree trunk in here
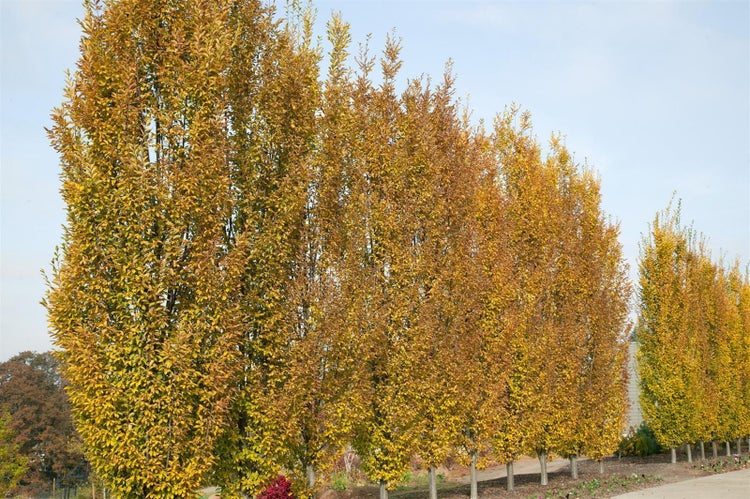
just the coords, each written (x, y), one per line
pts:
(311, 478)
(574, 467)
(729, 449)
(543, 467)
(432, 480)
(601, 466)
(674, 455)
(510, 478)
(383, 491)
(689, 449)
(703, 451)
(739, 446)
(473, 494)
(715, 447)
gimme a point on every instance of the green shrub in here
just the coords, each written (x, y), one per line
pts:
(640, 442)
(339, 481)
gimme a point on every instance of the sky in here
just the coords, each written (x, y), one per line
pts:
(653, 95)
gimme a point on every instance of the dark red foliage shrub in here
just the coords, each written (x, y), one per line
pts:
(281, 488)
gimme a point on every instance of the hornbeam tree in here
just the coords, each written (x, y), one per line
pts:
(319, 399)
(274, 96)
(142, 302)
(602, 291)
(561, 318)
(386, 296)
(726, 357)
(504, 317)
(444, 248)
(740, 285)
(536, 238)
(663, 332)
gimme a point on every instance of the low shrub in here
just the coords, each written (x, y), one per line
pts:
(640, 442)
(281, 488)
(339, 481)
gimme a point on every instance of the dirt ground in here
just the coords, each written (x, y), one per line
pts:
(621, 475)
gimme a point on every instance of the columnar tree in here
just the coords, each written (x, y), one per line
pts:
(142, 302)
(275, 96)
(663, 332)
(536, 239)
(447, 254)
(740, 284)
(484, 269)
(561, 318)
(388, 298)
(505, 316)
(601, 305)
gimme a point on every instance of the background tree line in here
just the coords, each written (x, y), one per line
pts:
(694, 337)
(264, 265)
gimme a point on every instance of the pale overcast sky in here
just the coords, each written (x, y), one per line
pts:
(654, 95)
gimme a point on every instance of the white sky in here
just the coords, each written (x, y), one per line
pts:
(654, 95)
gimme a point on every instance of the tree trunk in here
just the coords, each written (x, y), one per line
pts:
(715, 447)
(689, 449)
(383, 491)
(473, 493)
(432, 481)
(674, 455)
(311, 478)
(543, 467)
(739, 446)
(574, 467)
(729, 449)
(510, 478)
(601, 467)
(703, 451)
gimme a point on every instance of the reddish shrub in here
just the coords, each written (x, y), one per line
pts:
(281, 488)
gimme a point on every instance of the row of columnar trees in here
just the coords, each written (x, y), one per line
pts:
(262, 266)
(694, 336)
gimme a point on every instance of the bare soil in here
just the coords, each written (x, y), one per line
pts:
(620, 475)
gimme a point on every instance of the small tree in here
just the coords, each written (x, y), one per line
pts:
(13, 464)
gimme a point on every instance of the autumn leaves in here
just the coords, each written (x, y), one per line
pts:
(694, 336)
(263, 266)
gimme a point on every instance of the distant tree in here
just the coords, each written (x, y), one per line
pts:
(670, 386)
(740, 285)
(732, 412)
(32, 390)
(13, 464)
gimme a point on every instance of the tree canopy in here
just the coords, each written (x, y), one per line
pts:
(693, 337)
(265, 264)
(37, 429)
